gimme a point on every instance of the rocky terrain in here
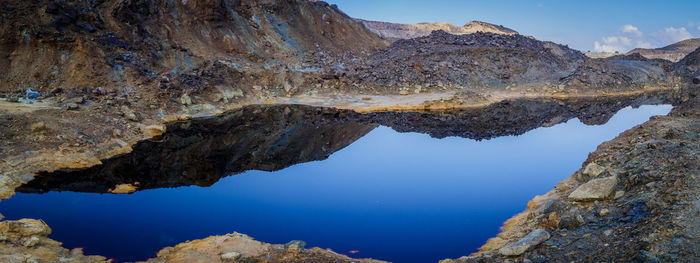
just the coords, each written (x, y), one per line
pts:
(634, 198)
(84, 83)
(673, 52)
(392, 31)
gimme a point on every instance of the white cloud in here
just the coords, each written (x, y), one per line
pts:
(625, 41)
(630, 37)
(672, 34)
(607, 48)
(643, 44)
(610, 40)
(631, 29)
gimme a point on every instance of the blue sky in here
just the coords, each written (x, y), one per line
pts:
(614, 25)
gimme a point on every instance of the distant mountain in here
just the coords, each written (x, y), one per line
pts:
(407, 31)
(673, 52)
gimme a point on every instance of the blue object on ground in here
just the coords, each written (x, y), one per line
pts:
(32, 94)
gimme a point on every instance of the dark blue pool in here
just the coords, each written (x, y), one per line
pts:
(403, 197)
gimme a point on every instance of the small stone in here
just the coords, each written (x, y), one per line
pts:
(593, 170)
(31, 242)
(38, 127)
(596, 189)
(604, 212)
(619, 194)
(531, 240)
(72, 106)
(117, 133)
(185, 100)
(230, 256)
(154, 131)
(696, 80)
(129, 114)
(570, 222)
(123, 189)
(78, 100)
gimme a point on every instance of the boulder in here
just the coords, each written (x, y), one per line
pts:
(154, 131)
(8, 184)
(230, 256)
(596, 189)
(524, 244)
(24, 228)
(593, 170)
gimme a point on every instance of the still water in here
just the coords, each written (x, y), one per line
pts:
(403, 197)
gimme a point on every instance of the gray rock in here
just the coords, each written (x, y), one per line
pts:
(696, 80)
(72, 106)
(596, 189)
(593, 170)
(571, 222)
(230, 256)
(129, 114)
(185, 100)
(531, 240)
(78, 100)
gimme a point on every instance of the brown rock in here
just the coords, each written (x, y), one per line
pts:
(123, 189)
(24, 228)
(154, 131)
(38, 127)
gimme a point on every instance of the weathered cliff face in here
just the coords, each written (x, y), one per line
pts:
(135, 44)
(407, 31)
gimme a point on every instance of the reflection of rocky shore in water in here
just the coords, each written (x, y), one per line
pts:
(269, 138)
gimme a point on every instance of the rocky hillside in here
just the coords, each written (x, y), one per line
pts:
(689, 66)
(673, 52)
(494, 60)
(125, 45)
(407, 31)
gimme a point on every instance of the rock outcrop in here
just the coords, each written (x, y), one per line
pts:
(394, 31)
